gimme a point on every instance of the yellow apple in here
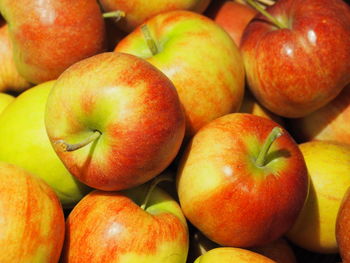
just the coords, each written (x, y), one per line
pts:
(328, 166)
(5, 100)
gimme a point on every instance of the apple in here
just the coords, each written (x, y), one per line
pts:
(198, 56)
(123, 227)
(342, 229)
(297, 60)
(232, 255)
(136, 12)
(24, 142)
(233, 177)
(278, 250)
(10, 80)
(31, 218)
(5, 100)
(114, 120)
(329, 123)
(232, 16)
(50, 35)
(328, 166)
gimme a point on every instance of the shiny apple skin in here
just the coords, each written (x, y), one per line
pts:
(200, 58)
(297, 70)
(226, 196)
(31, 218)
(111, 227)
(50, 35)
(133, 105)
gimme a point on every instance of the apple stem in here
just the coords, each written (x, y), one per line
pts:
(274, 134)
(149, 40)
(270, 17)
(66, 147)
(117, 15)
(153, 184)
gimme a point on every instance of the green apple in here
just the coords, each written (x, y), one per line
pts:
(232, 255)
(5, 100)
(24, 142)
(124, 227)
(198, 56)
(31, 218)
(115, 121)
(328, 166)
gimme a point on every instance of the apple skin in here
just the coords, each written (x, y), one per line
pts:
(49, 36)
(132, 104)
(200, 58)
(329, 123)
(226, 196)
(232, 16)
(138, 11)
(232, 255)
(5, 100)
(252, 106)
(297, 70)
(10, 80)
(24, 142)
(342, 229)
(31, 218)
(278, 250)
(329, 170)
(111, 227)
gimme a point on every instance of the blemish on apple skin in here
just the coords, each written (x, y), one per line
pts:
(228, 171)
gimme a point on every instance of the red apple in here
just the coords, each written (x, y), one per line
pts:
(114, 120)
(112, 227)
(298, 61)
(343, 228)
(10, 79)
(329, 123)
(50, 35)
(200, 59)
(136, 12)
(233, 178)
(232, 16)
(31, 218)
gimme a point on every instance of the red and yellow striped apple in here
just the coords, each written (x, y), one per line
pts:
(239, 183)
(114, 120)
(112, 227)
(136, 12)
(298, 61)
(50, 35)
(199, 57)
(31, 218)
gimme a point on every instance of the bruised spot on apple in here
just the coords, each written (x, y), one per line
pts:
(118, 120)
(126, 232)
(233, 177)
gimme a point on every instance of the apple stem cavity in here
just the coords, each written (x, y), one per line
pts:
(153, 184)
(274, 134)
(270, 17)
(117, 15)
(151, 43)
(66, 147)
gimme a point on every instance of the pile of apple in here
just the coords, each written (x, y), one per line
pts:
(174, 131)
